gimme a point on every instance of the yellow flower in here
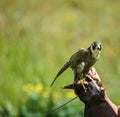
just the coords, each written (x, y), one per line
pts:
(30, 88)
(70, 94)
(38, 88)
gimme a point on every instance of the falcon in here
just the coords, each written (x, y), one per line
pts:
(81, 61)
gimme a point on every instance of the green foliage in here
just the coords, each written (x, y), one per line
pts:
(37, 37)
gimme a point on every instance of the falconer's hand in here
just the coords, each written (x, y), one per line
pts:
(94, 88)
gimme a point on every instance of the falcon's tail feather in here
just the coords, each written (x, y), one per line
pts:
(60, 72)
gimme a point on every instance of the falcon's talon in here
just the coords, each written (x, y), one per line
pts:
(89, 76)
(82, 82)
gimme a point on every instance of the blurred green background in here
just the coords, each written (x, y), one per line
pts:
(38, 36)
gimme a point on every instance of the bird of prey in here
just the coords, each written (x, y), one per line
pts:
(81, 61)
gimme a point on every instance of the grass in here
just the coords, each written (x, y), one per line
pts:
(38, 37)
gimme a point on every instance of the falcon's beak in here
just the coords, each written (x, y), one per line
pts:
(99, 47)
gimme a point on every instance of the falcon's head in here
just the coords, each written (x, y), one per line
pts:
(95, 49)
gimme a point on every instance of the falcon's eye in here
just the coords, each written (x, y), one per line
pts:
(93, 47)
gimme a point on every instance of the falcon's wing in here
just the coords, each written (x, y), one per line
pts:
(74, 59)
(77, 57)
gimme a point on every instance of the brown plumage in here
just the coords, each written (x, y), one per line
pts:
(82, 60)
